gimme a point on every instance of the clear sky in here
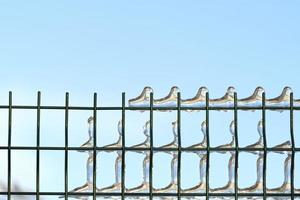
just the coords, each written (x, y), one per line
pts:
(116, 46)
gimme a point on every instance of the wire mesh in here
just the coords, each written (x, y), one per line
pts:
(179, 194)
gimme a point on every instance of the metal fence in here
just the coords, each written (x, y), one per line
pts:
(173, 102)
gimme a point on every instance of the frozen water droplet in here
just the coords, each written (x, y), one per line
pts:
(143, 100)
(174, 143)
(146, 129)
(284, 145)
(120, 127)
(203, 143)
(90, 142)
(229, 187)
(260, 128)
(170, 100)
(232, 128)
(88, 186)
(144, 186)
(286, 185)
(118, 143)
(226, 101)
(199, 101)
(255, 100)
(146, 132)
(201, 187)
(116, 187)
(257, 187)
(283, 100)
(204, 127)
(172, 187)
(259, 144)
(231, 144)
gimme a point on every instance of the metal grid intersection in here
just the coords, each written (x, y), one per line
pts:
(95, 109)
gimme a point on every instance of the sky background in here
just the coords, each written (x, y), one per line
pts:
(115, 46)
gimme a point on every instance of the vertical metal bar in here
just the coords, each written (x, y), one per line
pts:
(9, 146)
(208, 144)
(236, 147)
(179, 145)
(66, 143)
(38, 117)
(265, 144)
(95, 146)
(151, 147)
(293, 143)
(123, 146)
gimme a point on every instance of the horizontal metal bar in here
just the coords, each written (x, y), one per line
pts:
(147, 194)
(244, 149)
(147, 108)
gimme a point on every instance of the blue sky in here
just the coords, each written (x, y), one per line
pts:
(115, 46)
